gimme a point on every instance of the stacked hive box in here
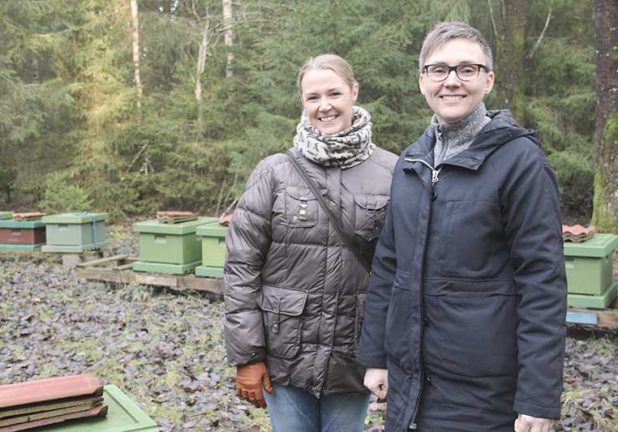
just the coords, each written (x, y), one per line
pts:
(21, 235)
(169, 248)
(6, 215)
(213, 249)
(589, 268)
(75, 232)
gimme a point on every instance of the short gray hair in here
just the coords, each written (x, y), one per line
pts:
(446, 31)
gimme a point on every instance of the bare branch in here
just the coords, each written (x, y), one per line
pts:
(493, 21)
(538, 41)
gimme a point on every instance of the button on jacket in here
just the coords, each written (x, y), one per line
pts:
(467, 300)
(294, 293)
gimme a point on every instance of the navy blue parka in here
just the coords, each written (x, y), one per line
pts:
(467, 299)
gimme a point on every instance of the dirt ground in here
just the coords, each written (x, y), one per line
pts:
(165, 349)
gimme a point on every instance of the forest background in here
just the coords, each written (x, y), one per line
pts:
(131, 106)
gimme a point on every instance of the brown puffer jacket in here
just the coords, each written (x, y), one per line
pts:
(294, 294)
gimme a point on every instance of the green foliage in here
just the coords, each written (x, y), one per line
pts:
(63, 195)
(575, 177)
(70, 115)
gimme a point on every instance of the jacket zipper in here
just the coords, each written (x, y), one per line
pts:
(435, 177)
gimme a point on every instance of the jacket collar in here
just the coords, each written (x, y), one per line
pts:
(500, 130)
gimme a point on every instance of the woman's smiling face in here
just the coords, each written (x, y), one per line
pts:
(328, 100)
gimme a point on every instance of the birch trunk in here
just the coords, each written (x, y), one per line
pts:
(201, 64)
(228, 35)
(136, 64)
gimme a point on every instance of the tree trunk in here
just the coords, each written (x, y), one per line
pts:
(228, 35)
(136, 68)
(510, 53)
(605, 211)
(201, 63)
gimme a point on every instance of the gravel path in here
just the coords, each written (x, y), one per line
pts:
(165, 349)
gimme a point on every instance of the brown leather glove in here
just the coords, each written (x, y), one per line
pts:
(249, 381)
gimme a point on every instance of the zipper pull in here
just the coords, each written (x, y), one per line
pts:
(434, 176)
(434, 180)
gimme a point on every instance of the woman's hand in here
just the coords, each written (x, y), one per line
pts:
(376, 380)
(525, 423)
(249, 381)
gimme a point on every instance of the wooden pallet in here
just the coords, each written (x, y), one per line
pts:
(606, 319)
(119, 269)
(67, 259)
(34, 253)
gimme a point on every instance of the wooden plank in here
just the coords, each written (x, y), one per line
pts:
(605, 318)
(46, 412)
(175, 282)
(158, 279)
(201, 284)
(50, 406)
(100, 261)
(105, 275)
(100, 411)
(35, 253)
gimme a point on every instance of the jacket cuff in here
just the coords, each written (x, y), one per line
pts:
(371, 361)
(256, 355)
(537, 410)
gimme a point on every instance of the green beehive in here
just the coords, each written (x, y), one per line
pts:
(74, 232)
(213, 249)
(589, 268)
(123, 415)
(6, 215)
(168, 248)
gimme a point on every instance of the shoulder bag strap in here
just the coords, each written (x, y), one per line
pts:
(329, 212)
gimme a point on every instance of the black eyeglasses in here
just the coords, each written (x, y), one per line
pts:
(465, 72)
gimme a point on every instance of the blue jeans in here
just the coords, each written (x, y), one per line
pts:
(295, 410)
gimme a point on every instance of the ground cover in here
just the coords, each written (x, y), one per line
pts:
(165, 349)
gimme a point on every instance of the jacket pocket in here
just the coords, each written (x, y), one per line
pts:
(361, 299)
(473, 245)
(472, 336)
(281, 311)
(301, 207)
(369, 215)
(401, 316)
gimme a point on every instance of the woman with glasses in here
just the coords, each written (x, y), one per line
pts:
(464, 325)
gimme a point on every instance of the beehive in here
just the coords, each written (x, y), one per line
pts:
(212, 236)
(589, 269)
(74, 232)
(21, 235)
(169, 248)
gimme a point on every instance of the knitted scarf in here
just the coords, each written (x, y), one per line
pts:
(344, 149)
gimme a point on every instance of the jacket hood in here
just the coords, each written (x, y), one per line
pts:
(502, 129)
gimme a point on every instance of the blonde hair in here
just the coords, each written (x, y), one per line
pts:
(328, 61)
(446, 31)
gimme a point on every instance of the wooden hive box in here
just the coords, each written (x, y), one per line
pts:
(21, 235)
(168, 248)
(75, 232)
(589, 269)
(212, 236)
